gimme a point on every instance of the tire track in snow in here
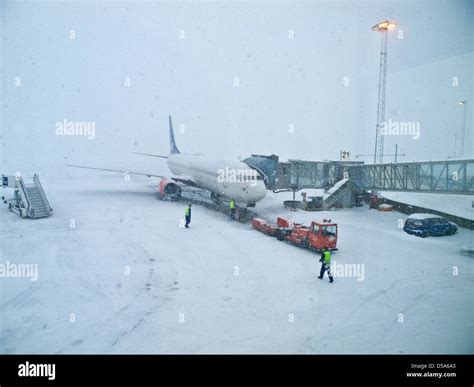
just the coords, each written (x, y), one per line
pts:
(310, 342)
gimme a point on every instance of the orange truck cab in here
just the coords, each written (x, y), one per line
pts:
(319, 236)
(323, 236)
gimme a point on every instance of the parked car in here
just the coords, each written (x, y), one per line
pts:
(424, 225)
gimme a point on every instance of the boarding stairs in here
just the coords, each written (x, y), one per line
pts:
(29, 199)
(338, 195)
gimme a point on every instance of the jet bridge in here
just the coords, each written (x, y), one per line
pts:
(294, 175)
(443, 176)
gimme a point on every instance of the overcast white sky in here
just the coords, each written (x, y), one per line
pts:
(282, 81)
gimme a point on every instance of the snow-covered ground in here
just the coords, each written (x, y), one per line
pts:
(128, 279)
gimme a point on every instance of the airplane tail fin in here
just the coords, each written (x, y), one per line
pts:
(173, 148)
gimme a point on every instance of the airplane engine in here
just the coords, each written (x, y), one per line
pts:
(169, 190)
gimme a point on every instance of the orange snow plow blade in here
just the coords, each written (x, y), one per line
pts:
(261, 225)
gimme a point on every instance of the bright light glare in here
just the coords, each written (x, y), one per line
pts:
(384, 26)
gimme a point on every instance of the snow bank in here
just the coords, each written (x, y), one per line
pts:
(458, 205)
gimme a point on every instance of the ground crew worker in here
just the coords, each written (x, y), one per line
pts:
(326, 265)
(188, 215)
(232, 209)
(374, 201)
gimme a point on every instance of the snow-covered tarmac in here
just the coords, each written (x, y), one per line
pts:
(117, 274)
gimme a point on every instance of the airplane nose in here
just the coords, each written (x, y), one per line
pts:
(254, 193)
(262, 190)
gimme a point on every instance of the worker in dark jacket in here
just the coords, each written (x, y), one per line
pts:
(326, 265)
(188, 215)
(232, 209)
(374, 201)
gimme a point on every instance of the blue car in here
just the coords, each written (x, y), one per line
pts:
(424, 225)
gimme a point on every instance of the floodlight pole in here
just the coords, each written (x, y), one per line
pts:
(463, 104)
(383, 28)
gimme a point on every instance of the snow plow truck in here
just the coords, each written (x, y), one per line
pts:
(318, 236)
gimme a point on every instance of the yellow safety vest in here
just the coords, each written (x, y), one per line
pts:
(327, 257)
(232, 204)
(187, 211)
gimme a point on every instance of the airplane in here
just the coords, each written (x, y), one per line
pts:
(223, 178)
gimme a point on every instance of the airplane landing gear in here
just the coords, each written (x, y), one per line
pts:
(217, 200)
(242, 214)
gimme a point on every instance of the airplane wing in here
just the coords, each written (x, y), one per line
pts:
(115, 170)
(161, 156)
(182, 179)
(150, 154)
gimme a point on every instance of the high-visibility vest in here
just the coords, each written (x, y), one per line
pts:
(327, 257)
(187, 211)
(232, 204)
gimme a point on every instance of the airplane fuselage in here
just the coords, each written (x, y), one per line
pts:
(229, 179)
